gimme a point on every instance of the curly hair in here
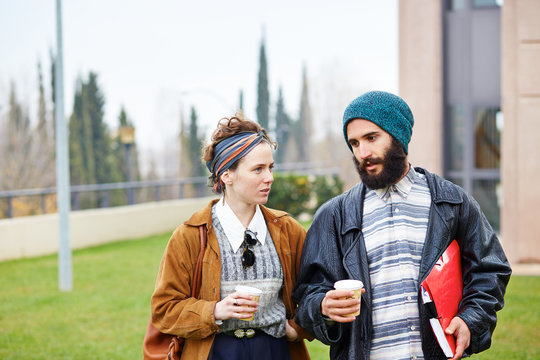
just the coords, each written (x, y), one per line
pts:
(226, 128)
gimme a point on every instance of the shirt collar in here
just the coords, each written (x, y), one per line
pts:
(233, 228)
(402, 187)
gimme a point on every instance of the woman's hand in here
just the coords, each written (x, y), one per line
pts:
(290, 333)
(237, 305)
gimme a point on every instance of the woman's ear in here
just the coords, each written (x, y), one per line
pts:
(226, 178)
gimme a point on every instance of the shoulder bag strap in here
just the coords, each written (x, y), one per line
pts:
(198, 268)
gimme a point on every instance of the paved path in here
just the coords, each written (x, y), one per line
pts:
(526, 269)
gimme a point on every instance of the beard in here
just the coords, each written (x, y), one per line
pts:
(394, 167)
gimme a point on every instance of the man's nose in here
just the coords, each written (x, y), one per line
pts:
(364, 151)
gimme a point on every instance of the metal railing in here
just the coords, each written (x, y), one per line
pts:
(176, 189)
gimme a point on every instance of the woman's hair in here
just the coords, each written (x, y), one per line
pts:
(226, 128)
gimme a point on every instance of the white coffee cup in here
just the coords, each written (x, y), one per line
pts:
(254, 292)
(350, 284)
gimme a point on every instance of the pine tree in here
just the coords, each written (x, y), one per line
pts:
(241, 101)
(183, 138)
(92, 159)
(195, 146)
(305, 121)
(16, 152)
(44, 160)
(42, 127)
(263, 95)
(283, 129)
(53, 99)
(77, 169)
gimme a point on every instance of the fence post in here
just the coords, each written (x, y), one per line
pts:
(43, 210)
(9, 207)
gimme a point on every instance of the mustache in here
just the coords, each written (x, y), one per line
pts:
(371, 161)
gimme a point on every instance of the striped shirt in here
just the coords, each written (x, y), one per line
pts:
(394, 225)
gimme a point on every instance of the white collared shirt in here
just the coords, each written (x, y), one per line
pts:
(233, 228)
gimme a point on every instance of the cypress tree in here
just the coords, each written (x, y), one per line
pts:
(283, 128)
(90, 139)
(305, 121)
(42, 127)
(183, 138)
(195, 146)
(241, 101)
(263, 95)
(77, 168)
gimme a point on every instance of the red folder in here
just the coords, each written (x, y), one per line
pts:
(444, 286)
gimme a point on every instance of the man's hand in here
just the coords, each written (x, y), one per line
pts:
(337, 306)
(461, 331)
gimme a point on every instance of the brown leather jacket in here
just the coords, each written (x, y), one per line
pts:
(174, 311)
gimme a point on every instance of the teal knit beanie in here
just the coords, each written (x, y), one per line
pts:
(388, 111)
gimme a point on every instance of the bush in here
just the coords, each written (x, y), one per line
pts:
(302, 194)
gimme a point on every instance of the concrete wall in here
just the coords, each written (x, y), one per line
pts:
(520, 166)
(421, 79)
(38, 235)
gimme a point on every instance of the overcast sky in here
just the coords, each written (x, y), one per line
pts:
(153, 57)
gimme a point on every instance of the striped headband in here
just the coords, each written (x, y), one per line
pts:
(230, 150)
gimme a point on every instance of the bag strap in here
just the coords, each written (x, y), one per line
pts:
(198, 268)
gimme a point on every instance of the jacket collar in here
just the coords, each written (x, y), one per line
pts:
(204, 217)
(441, 190)
(353, 200)
(353, 208)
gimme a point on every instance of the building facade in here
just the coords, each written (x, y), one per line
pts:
(470, 70)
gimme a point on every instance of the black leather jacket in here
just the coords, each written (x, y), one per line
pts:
(334, 249)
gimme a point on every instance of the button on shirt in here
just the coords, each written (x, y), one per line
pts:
(394, 227)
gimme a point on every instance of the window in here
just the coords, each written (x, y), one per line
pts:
(488, 195)
(455, 137)
(472, 119)
(487, 138)
(486, 3)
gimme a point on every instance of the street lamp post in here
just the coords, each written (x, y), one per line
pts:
(127, 137)
(62, 163)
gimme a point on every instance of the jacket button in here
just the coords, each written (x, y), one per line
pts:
(275, 220)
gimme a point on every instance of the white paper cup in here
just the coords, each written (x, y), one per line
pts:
(254, 292)
(350, 284)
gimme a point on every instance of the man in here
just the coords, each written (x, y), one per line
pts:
(388, 231)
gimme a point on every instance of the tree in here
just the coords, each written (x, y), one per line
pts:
(305, 120)
(53, 99)
(44, 161)
(183, 138)
(195, 146)
(25, 156)
(78, 167)
(263, 95)
(283, 129)
(92, 158)
(17, 147)
(241, 101)
(42, 128)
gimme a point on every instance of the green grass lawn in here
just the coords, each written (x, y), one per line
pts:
(105, 315)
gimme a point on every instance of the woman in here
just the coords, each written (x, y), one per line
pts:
(248, 244)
